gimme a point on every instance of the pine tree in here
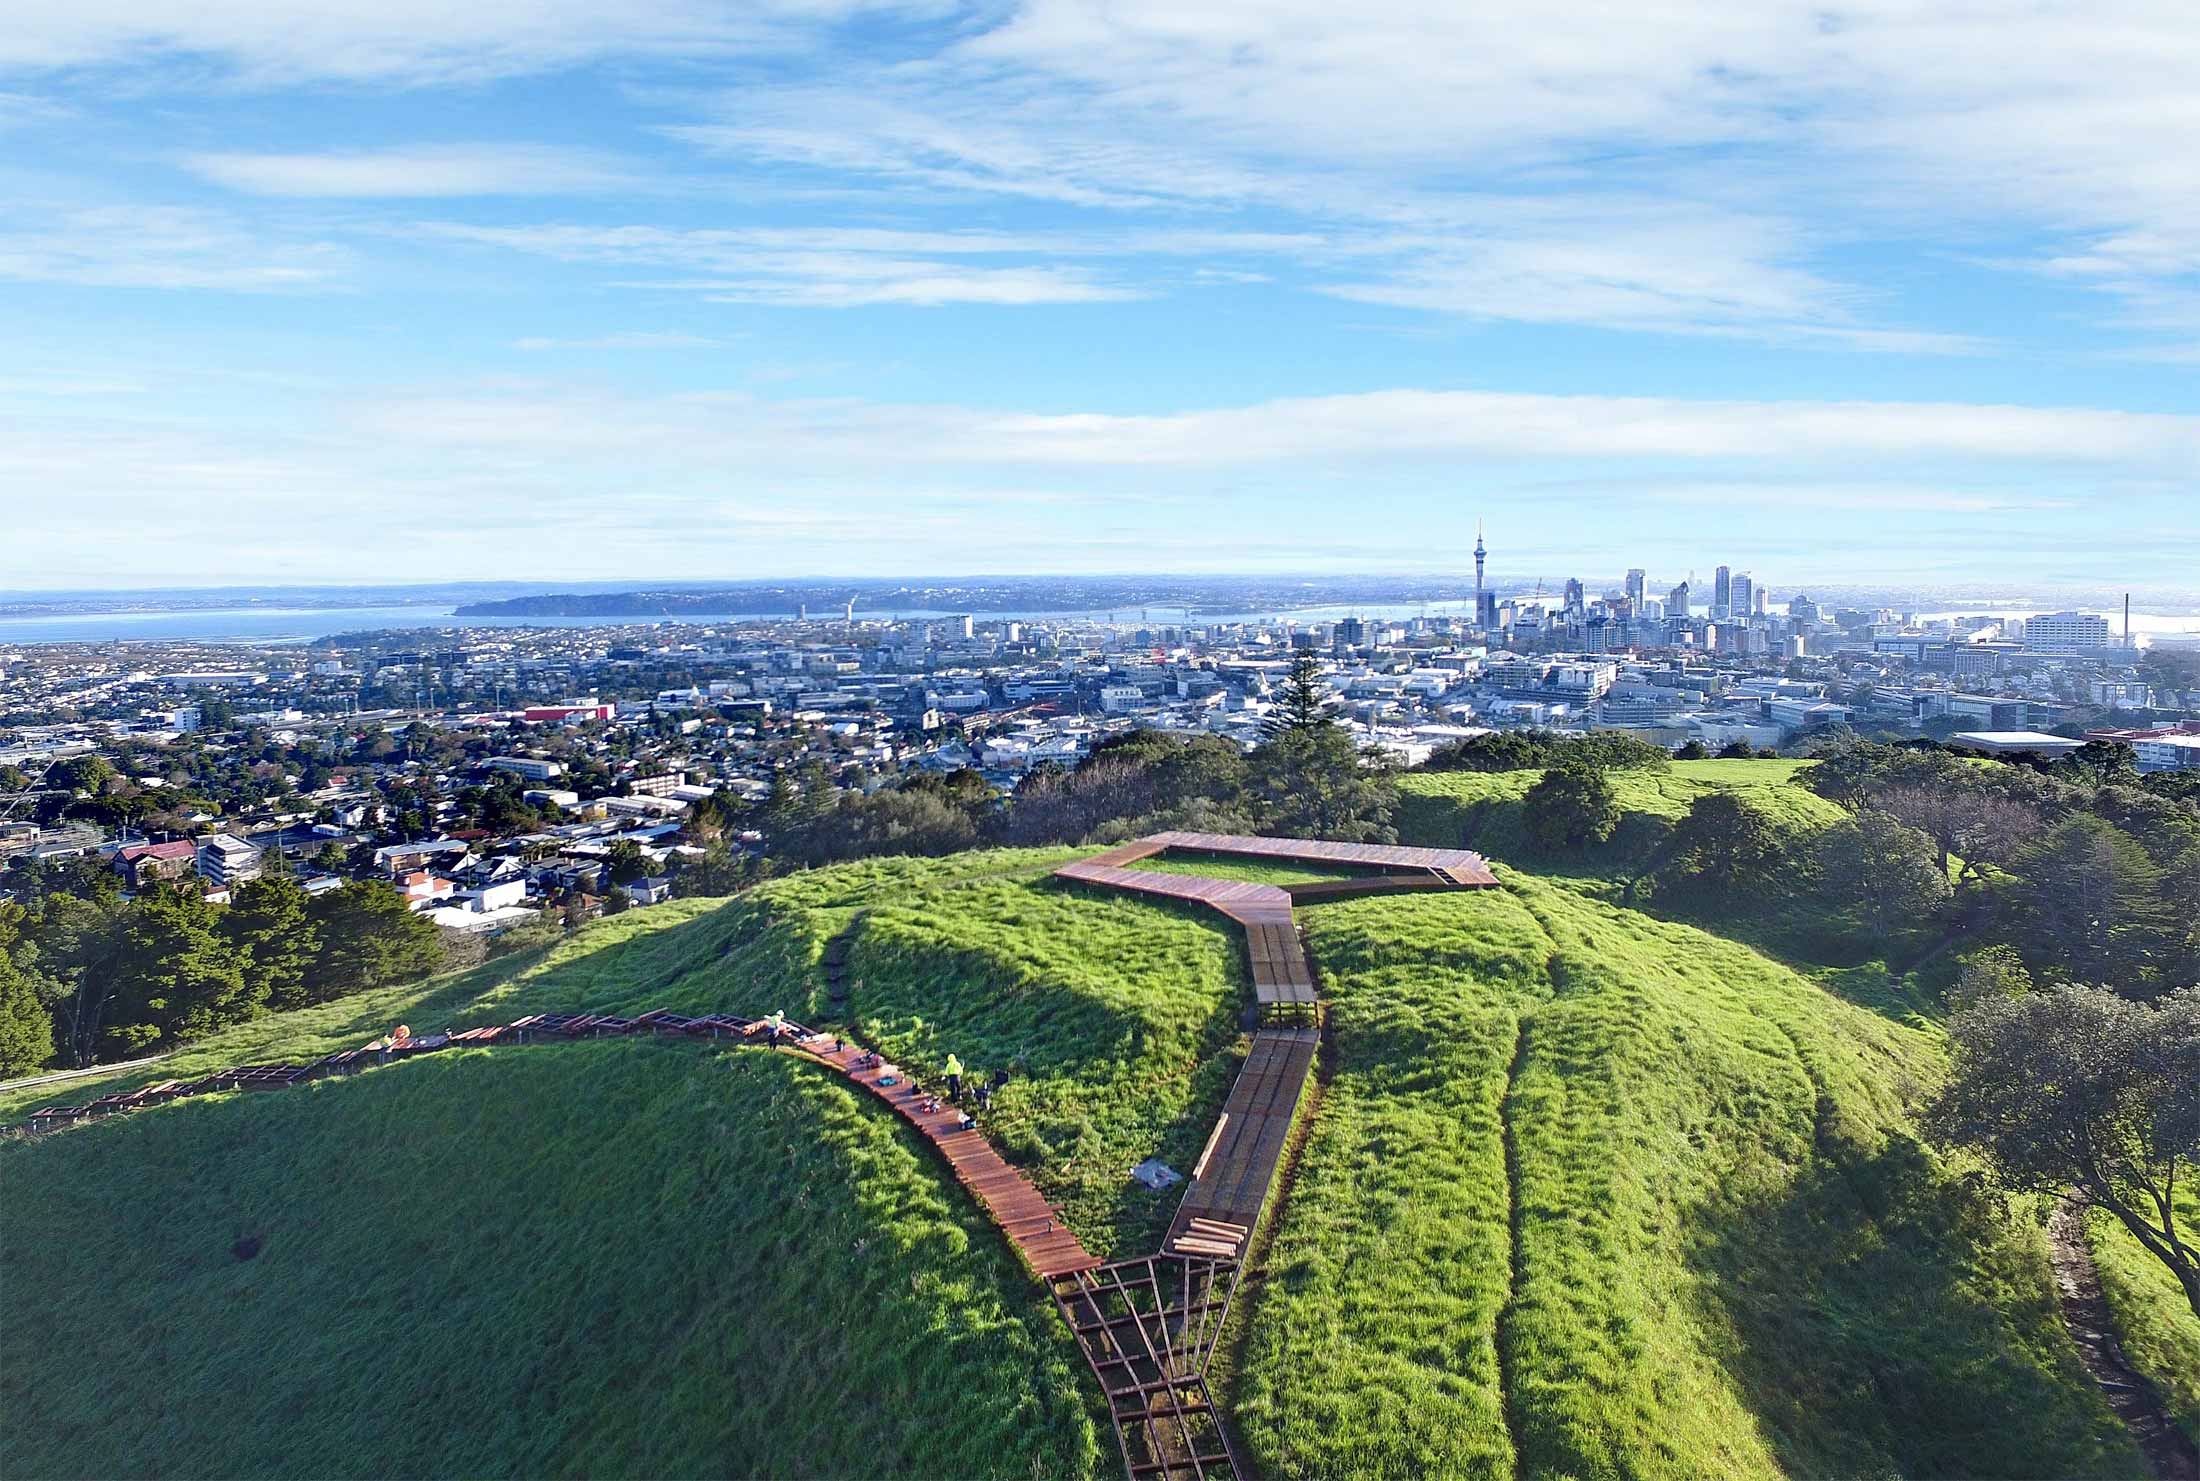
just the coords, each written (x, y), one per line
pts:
(268, 924)
(1303, 707)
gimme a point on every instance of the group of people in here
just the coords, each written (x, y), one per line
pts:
(775, 1029)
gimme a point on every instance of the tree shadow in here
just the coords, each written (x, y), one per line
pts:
(1887, 1317)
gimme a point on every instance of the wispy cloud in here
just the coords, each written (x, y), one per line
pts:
(441, 170)
(163, 247)
(823, 268)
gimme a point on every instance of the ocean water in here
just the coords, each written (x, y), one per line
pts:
(268, 625)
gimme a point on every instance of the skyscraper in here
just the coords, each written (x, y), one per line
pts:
(1638, 586)
(1741, 595)
(1576, 598)
(1722, 593)
(1676, 601)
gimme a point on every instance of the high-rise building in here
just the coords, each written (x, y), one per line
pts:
(1638, 585)
(1802, 611)
(1576, 602)
(1722, 593)
(1352, 633)
(1741, 596)
(1676, 602)
(2065, 632)
(1763, 607)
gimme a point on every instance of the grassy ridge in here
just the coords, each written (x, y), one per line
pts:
(1115, 1015)
(1482, 810)
(661, 1309)
(748, 955)
(2160, 1335)
(1730, 1259)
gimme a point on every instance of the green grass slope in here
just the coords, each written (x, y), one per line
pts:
(1595, 1195)
(1118, 1019)
(753, 954)
(621, 1259)
(1482, 810)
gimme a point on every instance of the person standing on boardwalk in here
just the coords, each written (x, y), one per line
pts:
(954, 1079)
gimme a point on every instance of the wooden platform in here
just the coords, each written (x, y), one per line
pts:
(1032, 1226)
(1465, 867)
(1230, 1182)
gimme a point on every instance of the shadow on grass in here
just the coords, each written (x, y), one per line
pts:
(1889, 1319)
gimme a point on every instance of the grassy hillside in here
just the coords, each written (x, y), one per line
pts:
(622, 1258)
(1592, 1194)
(1482, 810)
(753, 954)
(1587, 1194)
(2160, 1334)
(1118, 1019)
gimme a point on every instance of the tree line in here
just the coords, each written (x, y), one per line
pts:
(87, 976)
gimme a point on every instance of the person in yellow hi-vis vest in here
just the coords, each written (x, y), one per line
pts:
(954, 1079)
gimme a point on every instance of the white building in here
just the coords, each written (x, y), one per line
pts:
(227, 860)
(534, 768)
(2065, 632)
(2168, 753)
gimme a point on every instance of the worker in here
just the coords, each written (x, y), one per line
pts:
(954, 1079)
(776, 1025)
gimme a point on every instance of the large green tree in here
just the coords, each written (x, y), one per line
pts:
(1302, 705)
(367, 938)
(1313, 783)
(268, 922)
(1723, 850)
(2088, 905)
(1884, 871)
(1572, 807)
(26, 1022)
(180, 976)
(2081, 1093)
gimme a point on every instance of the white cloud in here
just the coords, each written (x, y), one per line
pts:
(403, 41)
(440, 170)
(1380, 425)
(703, 484)
(821, 268)
(163, 247)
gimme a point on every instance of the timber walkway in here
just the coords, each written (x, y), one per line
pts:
(1149, 1325)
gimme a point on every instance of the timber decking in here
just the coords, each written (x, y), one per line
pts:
(1033, 1226)
(1465, 866)
(1231, 1180)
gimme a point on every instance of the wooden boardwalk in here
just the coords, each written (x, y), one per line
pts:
(1230, 1182)
(1032, 1225)
(1148, 1325)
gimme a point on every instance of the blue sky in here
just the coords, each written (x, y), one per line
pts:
(367, 291)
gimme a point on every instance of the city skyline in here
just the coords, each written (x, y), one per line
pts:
(878, 290)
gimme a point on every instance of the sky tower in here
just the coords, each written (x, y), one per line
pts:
(1480, 554)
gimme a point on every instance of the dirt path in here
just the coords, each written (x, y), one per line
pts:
(2085, 1313)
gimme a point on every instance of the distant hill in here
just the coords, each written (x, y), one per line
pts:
(1582, 1192)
